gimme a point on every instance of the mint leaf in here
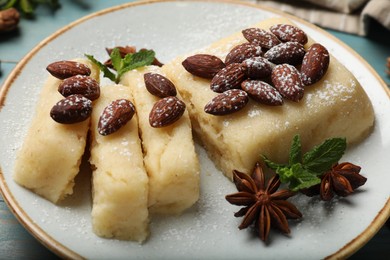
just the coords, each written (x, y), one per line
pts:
(129, 62)
(135, 60)
(272, 165)
(54, 4)
(8, 4)
(116, 59)
(106, 72)
(26, 6)
(301, 178)
(322, 157)
(297, 177)
(139, 58)
(286, 174)
(295, 151)
(303, 171)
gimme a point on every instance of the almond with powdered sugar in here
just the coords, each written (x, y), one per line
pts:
(80, 84)
(257, 67)
(72, 109)
(158, 85)
(242, 52)
(261, 37)
(287, 81)
(228, 78)
(262, 92)
(227, 102)
(289, 52)
(289, 33)
(65, 69)
(315, 64)
(166, 111)
(115, 115)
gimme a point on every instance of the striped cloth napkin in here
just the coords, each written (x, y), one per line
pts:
(351, 16)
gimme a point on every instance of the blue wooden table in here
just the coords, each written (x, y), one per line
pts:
(15, 241)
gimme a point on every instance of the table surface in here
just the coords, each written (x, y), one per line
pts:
(15, 241)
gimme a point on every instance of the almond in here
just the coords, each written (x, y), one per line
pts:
(315, 64)
(287, 81)
(115, 115)
(166, 111)
(228, 78)
(72, 109)
(158, 85)
(261, 37)
(257, 67)
(289, 52)
(242, 52)
(80, 84)
(65, 69)
(203, 65)
(227, 102)
(289, 33)
(262, 92)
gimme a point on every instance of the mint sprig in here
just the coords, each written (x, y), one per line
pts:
(106, 71)
(303, 171)
(322, 157)
(28, 7)
(122, 65)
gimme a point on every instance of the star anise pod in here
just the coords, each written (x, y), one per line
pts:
(264, 204)
(341, 180)
(123, 51)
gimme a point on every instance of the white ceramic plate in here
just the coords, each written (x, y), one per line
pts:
(208, 230)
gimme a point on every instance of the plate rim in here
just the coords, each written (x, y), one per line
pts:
(49, 242)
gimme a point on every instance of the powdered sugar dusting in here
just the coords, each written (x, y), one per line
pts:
(330, 91)
(253, 112)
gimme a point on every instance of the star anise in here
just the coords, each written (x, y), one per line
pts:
(341, 180)
(264, 204)
(123, 51)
